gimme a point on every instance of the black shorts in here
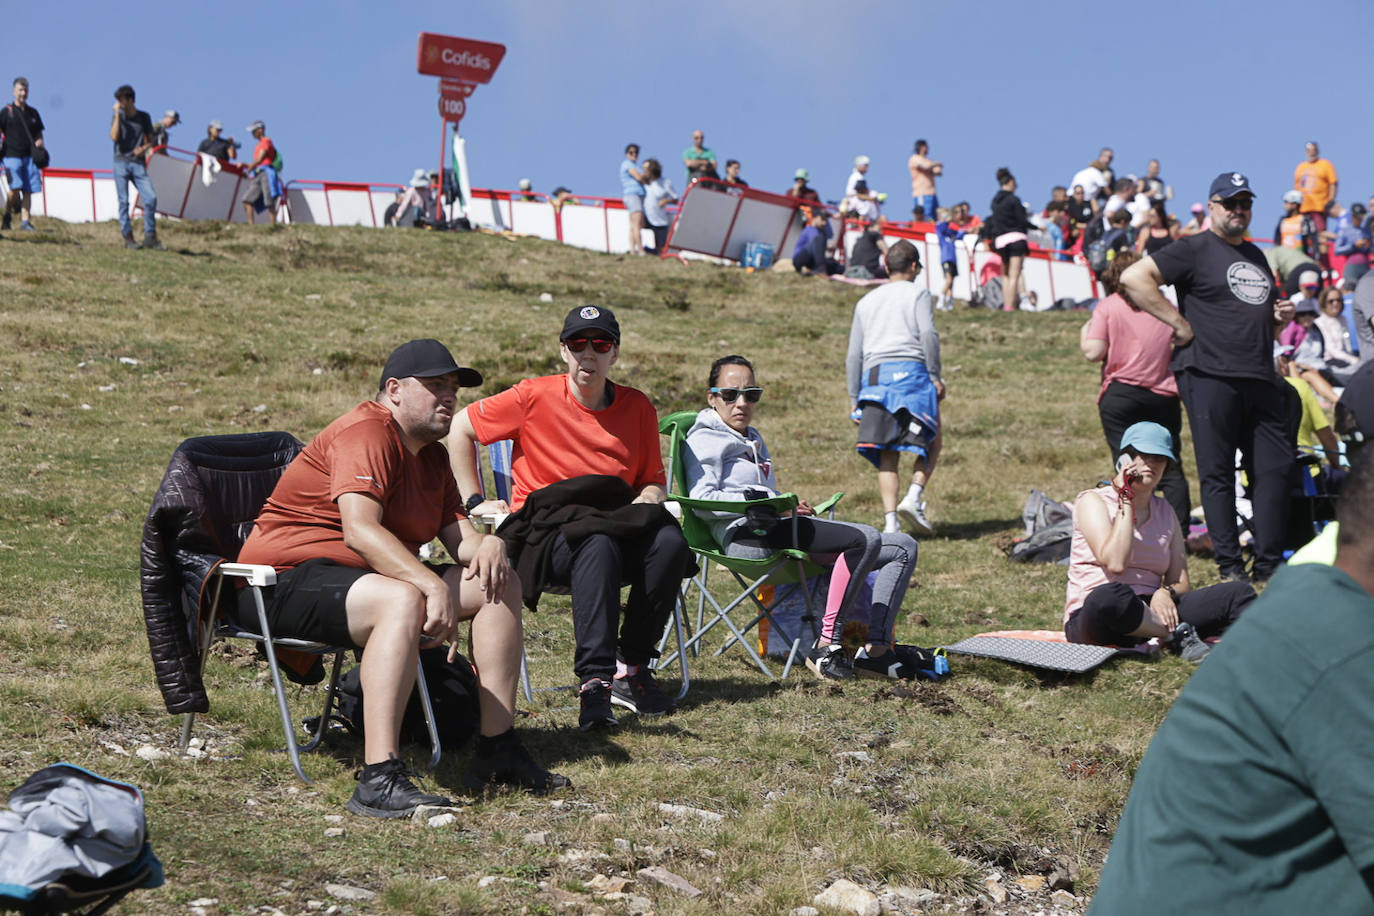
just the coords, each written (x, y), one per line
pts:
(1013, 249)
(951, 268)
(308, 602)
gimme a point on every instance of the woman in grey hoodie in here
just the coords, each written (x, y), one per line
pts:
(727, 459)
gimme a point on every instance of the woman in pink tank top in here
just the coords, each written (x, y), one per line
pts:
(1128, 571)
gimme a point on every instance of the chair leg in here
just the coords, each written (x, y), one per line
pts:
(660, 663)
(525, 677)
(426, 704)
(205, 643)
(291, 748)
(333, 691)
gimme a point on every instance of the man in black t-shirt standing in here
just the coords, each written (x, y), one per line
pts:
(23, 130)
(1223, 360)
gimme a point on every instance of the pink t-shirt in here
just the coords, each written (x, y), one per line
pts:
(1138, 347)
(1149, 555)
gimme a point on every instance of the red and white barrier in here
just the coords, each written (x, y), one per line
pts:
(715, 220)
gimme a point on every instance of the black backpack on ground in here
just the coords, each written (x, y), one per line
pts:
(452, 691)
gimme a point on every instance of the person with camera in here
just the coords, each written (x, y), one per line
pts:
(1128, 570)
(728, 460)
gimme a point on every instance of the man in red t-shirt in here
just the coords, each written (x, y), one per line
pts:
(570, 425)
(264, 185)
(343, 527)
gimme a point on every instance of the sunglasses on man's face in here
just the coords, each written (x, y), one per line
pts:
(728, 395)
(1235, 203)
(599, 344)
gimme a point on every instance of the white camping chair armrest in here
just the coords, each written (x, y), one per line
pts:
(256, 573)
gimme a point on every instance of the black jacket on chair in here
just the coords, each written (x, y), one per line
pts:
(206, 505)
(576, 508)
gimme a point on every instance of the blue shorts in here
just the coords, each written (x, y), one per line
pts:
(899, 410)
(634, 203)
(22, 174)
(929, 203)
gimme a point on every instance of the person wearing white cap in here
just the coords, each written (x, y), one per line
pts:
(162, 129)
(264, 188)
(415, 204)
(1296, 229)
(859, 174)
(216, 144)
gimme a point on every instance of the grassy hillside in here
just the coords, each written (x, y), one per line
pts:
(113, 357)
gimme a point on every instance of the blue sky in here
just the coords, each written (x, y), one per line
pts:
(1039, 87)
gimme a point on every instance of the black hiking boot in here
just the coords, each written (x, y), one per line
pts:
(503, 760)
(385, 790)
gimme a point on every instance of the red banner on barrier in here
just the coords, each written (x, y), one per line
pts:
(459, 58)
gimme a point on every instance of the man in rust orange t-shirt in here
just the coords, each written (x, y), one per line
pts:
(343, 527)
(569, 425)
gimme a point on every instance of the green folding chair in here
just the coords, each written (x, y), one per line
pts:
(784, 567)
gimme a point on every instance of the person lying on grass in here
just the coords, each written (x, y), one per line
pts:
(1128, 572)
(727, 460)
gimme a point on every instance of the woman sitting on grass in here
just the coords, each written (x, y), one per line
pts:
(728, 460)
(1128, 573)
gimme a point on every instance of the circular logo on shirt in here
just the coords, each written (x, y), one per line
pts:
(1248, 283)
(589, 312)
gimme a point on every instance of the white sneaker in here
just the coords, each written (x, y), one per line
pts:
(913, 516)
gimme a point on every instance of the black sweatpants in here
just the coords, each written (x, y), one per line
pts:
(1250, 414)
(1112, 611)
(595, 569)
(1122, 405)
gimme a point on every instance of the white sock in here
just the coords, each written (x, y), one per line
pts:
(890, 525)
(915, 492)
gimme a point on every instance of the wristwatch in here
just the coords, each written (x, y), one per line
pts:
(474, 501)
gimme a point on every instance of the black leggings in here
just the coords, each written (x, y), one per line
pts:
(1113, 611)
(864, 548)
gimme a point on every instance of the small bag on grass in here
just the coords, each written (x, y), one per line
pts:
(452, 691)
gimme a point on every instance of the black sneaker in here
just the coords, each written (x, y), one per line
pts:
(887, 665)
(1188, 644)
(830, 662)
(129, 242)
(385, 790)
(151, 243)
(509, 764)
(639, 693)
(5, 221)
(595, 697)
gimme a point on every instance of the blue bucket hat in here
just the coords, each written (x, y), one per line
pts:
(1149, 439)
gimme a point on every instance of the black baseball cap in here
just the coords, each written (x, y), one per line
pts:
(1228, 185)
(426, 358)
(585, 318)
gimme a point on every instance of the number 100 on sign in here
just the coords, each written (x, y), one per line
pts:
(451, 109)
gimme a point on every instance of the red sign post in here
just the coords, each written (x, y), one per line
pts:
(461, 64)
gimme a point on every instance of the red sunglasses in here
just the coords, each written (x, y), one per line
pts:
(599, 344)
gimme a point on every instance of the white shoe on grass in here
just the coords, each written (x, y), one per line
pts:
(913, 517)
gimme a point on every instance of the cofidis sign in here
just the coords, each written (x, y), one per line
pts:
(459, 58)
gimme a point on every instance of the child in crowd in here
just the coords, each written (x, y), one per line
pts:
(949, 260)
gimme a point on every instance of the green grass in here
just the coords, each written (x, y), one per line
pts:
(237, 329)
